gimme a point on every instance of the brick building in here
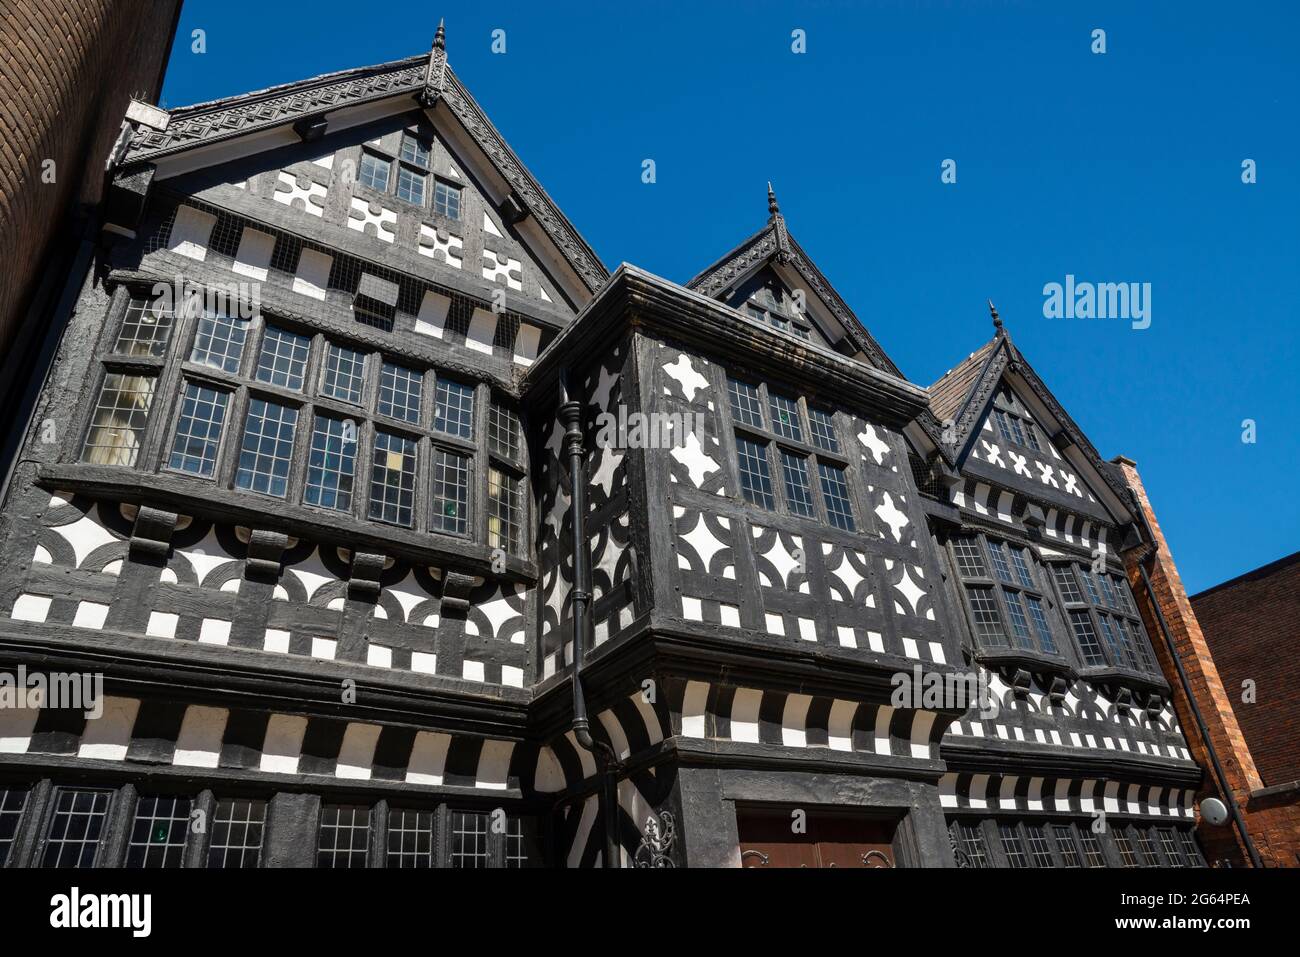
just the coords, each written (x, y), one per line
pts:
(68, 69)
(1252, 629)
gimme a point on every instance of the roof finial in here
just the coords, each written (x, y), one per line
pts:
(440, 38)
(773, 209)
(997, 321)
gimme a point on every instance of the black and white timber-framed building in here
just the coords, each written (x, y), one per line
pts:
(315, 527)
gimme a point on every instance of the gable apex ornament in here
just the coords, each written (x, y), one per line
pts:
(435, 76)
(997, 320)
(784, 252)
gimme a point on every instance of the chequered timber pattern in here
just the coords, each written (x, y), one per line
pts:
(1026, 793)
(1084, 719)
(1008, 507)
(176, 734)
(80, 566)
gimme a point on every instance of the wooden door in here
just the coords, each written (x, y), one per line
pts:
(830, 839)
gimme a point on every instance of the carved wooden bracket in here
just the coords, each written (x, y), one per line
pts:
(265, 549)
(152, 534)
(367, 567)
(456, 587)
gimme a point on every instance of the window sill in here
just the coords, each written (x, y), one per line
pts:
(1125, 677)
(1033, 661)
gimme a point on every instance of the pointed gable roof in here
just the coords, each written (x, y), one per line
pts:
(774, 245)
(425, 80)
(964, 395)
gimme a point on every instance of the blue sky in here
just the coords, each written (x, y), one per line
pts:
(1119, 167)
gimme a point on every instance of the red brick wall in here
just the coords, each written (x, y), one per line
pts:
(1252, 626)
(67, 70)
(1273, 821)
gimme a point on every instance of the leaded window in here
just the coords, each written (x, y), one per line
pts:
(400, 389)
(267, 450)
(785, 416)
(145, 329)
(755, 477)
(503, 432)
(469, 840)
(505, 511)
(12, 803)
(1092, 853)
(745, 405)
(219, 341)
(331, 464)
(1040, 851)
(455, 412)
(392, 479)
(1104, 618)
(968, 837)
(345, 371)
(452, 478)
(822, 426)
(119, 418)
(238, 826)
(1065, 846)
(1014, 422)
(344, 836)
(410, 185)
(798, 493)
(835, 492)
(159, 832)
(410, 839)
(283, 360)
(1012, 846)
(76, 826)
(1003, 593)
(1126, 853)
(198, 429)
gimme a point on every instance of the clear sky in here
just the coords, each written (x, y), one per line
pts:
(1117, 167)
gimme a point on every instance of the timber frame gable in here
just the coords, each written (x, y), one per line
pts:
(352, 96)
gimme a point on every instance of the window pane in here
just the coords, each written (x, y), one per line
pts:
(410, 185)
(451, 484)
(517, 844)
(1090, 585)
(158, 832)
(12, 802)
(1108, 590)
(1013, 846)
(145, 330)
(446, 200)
(785, 417)
(970, 560)
(1021, 566)
(455, 412)
(118, 422)
(1019, 625)
(836, 493)
(1124, 595)
(823, 430)
(755, 479)
(798, 493)
(410, 838)
(1065, 845)
(1148, 851)
(198, 430)
(344, 839)
(505, 511)
(1040, 624)
(999, 561)
(469, 839)
(1039, 850)
(1087, 638)
(373, 171)
(344, 373)
(237, 828)
(984, 611)
(1066, 582)
(1118, 653)
(400, 389)
(219, 342)
(283, 361)
(331, 464)
(1190, 849)
(1169, 845)
(745, 407)
(503, 432)
(1137, 639)
(267, 451)
(75, 827)
(969, 839)
(414, 151)
(392, 479)
(1092, 855)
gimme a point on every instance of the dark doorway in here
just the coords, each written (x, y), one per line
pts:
(775, 837)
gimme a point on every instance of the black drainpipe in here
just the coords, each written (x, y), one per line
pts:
(606, 759)
(1222, 778)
